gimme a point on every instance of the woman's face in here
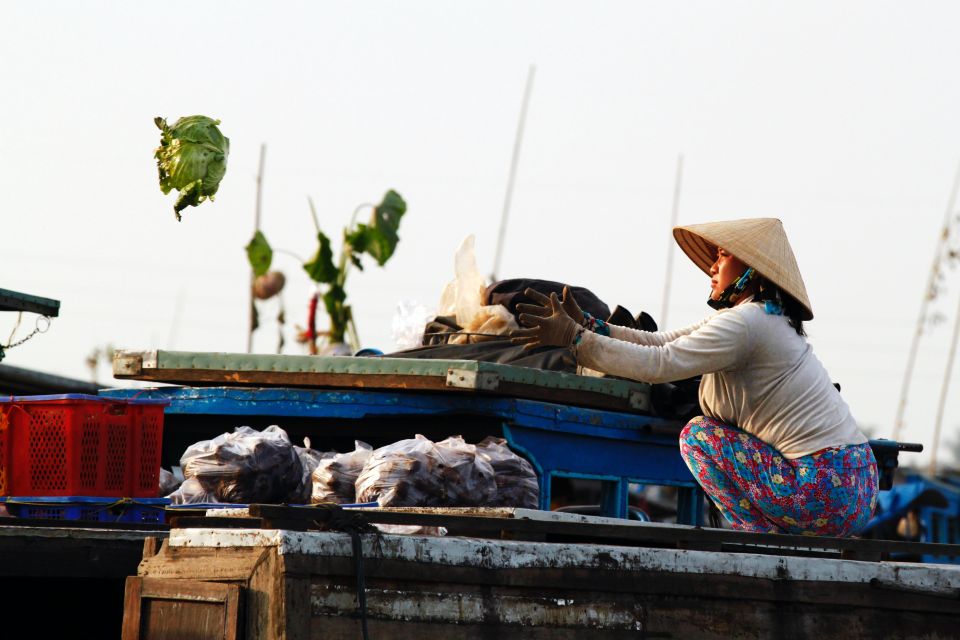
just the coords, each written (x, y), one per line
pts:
(724, 272)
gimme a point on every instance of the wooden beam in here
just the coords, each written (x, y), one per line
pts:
(212, 377)
(658, 535)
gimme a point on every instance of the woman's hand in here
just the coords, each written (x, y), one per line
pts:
(542, 308)
(550, 326)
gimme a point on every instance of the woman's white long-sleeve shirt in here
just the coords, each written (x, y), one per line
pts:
(758, 375)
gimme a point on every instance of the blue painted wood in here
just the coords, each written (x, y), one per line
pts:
(612, 447)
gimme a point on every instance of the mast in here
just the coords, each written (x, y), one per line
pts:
(671, 244)
(928, 294)
(515, 160)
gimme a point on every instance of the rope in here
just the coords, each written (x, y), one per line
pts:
(343, 520)
(357, 545)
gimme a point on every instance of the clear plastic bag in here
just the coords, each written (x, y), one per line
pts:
(191, 491)
(463, 296)
(409, 322)
(168, 483)
(411, 529)
(469, 478)
(334, 479)
(419, 473)
(489, 322)
(246, 466)
(309, 460)
(399, 474)
(516, 480)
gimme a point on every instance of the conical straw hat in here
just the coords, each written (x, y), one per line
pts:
(758, 242)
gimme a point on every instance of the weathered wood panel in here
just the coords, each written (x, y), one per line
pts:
(181, 609)
(208, 377)
(303, 585)
(70, 552)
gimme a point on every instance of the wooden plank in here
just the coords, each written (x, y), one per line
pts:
(176, 609)
(695, 607)
(639, 582)
(76, 555)
(220, 564)
(656, 535)
(81, 524)
(133, 591)
(211, 377)
(216, 522)
(266, 616)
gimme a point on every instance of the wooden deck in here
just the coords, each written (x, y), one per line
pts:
(650, 584)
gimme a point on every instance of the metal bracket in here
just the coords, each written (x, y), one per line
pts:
(130, 363)
(464, 379)
(639, 400)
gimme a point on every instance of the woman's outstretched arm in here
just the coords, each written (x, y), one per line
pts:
(717, 344)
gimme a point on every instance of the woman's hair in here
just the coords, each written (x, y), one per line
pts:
(792, 310)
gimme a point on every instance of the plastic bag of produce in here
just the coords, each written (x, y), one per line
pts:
(517, 484)
(335, 478)
(168, 483)
(417, 472)
(246, 466)
(191, 491)
(469, 478)
(309, 460)
(411, 529)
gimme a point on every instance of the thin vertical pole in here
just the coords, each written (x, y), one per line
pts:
(943, 394)
(515, 160)
(678, 179)
(927, 297)
(256, 228)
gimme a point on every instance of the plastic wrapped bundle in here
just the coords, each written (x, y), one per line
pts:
(335, 478)
(168, 483)
(309, 460)
(468, 477)
(246, 466)
(419, 473)
(517, 484)
(191, 491)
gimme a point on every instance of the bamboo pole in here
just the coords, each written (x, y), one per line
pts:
(943, 394)
(256, 228)
(927, 297)
(671, 244)
(514, 161)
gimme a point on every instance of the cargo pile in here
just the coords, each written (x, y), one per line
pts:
(248, 466)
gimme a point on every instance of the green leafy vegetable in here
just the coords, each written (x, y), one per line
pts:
(379, 238)
(321, 267)
(260, 254)
(191, 158)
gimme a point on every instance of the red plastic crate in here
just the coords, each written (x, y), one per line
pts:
(80, 445)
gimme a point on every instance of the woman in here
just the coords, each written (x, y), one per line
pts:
(777, 449)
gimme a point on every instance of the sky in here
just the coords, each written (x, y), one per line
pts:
(841, 119)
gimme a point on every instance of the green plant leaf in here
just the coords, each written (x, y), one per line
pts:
(381, 234)
(358, 239)
(259, 254)
(339, 313)
(321, 267)
(355, 259)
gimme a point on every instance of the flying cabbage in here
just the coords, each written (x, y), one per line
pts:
(191, 158)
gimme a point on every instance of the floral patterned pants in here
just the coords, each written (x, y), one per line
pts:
(832, 492)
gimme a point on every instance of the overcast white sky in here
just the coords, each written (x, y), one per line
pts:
(842, 119)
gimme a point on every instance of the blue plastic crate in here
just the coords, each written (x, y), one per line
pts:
(88, 509)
